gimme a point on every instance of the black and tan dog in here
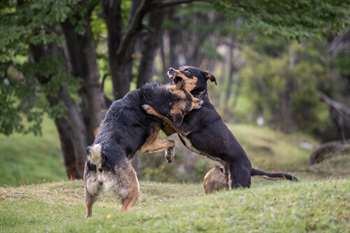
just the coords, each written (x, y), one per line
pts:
(203, 131)
(125, 129)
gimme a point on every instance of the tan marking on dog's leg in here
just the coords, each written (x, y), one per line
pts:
(150, 110)
(151, 138)
(157, 146)
(133, 190)
(89, 201)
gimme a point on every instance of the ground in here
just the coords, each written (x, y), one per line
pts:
(320, 202)
(306, 206)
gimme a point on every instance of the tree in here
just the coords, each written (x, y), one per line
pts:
(49, 65)
(50, 58)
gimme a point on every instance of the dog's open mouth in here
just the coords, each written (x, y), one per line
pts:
(172, 75)
(177, 79)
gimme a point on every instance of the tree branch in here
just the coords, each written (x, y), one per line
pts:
(169, 3)
(135, 23)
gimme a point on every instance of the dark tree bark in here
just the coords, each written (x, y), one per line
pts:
(83, 120)
(120, 48)
(231, 72)
(67, 147)
(114, 22)
(162, 54)
(71, 128)
(150, 45)
(83, 62)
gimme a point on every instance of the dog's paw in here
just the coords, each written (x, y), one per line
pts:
(148, 109)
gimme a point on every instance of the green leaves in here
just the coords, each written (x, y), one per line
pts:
(284, 87)
(291, 19)
(24, 24)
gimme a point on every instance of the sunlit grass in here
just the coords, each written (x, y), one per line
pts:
(318, 206)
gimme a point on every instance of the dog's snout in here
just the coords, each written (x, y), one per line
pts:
(171, 72)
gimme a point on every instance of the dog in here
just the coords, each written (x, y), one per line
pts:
(204, 132)
(125, 129)
(215, 180)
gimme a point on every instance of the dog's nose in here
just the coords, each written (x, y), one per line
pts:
(171, 72)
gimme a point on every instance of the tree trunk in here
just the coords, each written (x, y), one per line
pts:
(67, 148)
(113, 17)
(71, 128)
(120, 49)
(231, 72)
(83, 62)
(150, 45)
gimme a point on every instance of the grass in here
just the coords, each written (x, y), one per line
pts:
(26, 159)
(273, 150)
(337, 166)
(313, 205)
(310, 206)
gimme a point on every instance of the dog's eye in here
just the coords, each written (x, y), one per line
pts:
(187, 73)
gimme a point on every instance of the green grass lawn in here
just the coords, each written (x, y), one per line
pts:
(26, 159)
(313, 205)
(307, 206)
(273, 150)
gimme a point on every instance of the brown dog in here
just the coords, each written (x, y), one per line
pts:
(215, 180)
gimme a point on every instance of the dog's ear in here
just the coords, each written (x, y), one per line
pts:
(210, 77)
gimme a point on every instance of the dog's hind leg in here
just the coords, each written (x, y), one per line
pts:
(133, 191)
(128, 187)
(239, 176)
(89, 201)
(92, 189)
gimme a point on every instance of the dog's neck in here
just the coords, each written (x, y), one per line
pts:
(203, 95)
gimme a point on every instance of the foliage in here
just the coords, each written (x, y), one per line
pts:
(22, 98)
(284, 85)
(291, 19)
(307, 206)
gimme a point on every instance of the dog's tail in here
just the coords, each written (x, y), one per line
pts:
(257, 172)
(94, 153)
